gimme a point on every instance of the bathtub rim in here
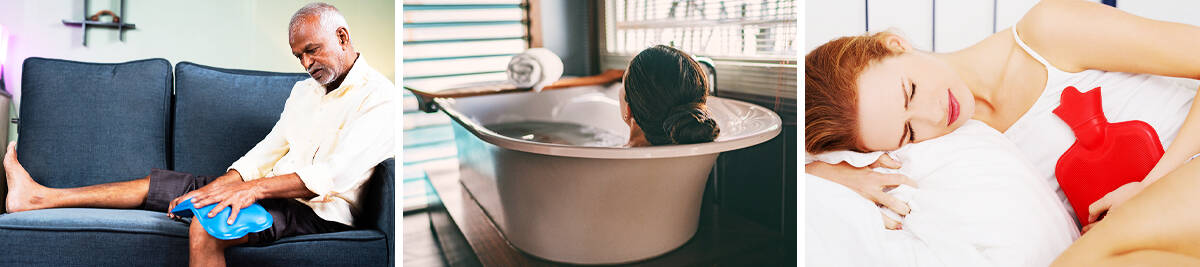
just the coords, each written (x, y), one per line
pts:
(665, 151)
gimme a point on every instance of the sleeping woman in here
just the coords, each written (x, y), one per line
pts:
(876, 93)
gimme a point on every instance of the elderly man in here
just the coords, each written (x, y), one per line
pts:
(308, 172)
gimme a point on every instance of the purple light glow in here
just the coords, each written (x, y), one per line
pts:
(3, 57)
(3, 47)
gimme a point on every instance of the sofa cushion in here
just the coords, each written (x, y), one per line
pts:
(118, 237)
(349, 248)
(89, 219)
(221, 113)
(90, 123)
(92, 237)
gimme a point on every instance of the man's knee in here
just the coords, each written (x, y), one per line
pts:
(198, 238)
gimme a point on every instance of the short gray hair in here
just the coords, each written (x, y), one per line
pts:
(329, 16)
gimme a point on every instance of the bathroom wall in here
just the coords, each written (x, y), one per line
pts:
(224, 33)
(567, 30)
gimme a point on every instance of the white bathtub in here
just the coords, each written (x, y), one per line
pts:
(591, 205)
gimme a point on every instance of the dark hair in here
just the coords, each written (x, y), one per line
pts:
(666, 91)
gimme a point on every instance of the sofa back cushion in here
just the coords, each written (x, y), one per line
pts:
(90, 123)
(220, 114)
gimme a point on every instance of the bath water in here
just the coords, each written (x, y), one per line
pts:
(562, 133)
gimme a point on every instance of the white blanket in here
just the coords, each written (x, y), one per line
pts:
(978, 204)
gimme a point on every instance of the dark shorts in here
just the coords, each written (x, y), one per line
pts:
(291, 217)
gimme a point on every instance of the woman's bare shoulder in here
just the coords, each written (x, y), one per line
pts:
(1046, 25)
(1076, 35)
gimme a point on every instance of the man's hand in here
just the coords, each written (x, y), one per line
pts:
(868, 183)
(231, 191)
(235, 196)
(230, 178)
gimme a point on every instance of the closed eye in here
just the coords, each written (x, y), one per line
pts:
(907, 131)
(913, 92)
(912, 134)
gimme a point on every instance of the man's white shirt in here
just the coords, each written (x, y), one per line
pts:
(332, 141)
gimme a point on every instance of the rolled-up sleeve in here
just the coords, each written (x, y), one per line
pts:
(363, 143)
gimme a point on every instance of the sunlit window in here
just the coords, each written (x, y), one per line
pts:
(713, 28)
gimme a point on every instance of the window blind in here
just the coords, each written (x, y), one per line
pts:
(457, 40)
(715, 28)
(450, 42)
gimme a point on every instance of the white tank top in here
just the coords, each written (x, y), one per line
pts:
(1162, 102)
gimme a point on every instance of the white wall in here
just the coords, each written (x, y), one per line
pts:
(224, 33)
(911, 18)
(945, 25)
(963, 23)
(825, 20)
(1182, 11)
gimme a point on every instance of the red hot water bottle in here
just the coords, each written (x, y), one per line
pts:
(1105, 155)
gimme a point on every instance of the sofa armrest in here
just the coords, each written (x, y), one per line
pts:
(379, 209)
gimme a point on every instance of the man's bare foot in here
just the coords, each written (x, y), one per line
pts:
(23, 193)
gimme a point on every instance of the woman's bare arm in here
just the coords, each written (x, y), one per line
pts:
(1155, 228)
(1077, 35)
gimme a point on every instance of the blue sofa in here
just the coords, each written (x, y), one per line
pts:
(87, 123)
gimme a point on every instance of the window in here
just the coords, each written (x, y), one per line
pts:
(450, 42)
(731, 29)
(453, 42)
(752, 43)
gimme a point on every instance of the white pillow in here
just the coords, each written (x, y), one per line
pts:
(978, 203)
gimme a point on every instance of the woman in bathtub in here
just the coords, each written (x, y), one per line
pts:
(663, 100)
(876, 93)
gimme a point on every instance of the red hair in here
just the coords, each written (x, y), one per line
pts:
(831, 90)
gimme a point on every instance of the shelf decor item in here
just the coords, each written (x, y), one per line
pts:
(94, 21)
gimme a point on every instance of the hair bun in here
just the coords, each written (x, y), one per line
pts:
(689, 124)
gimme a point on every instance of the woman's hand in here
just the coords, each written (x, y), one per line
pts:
(868, 183)
(1112, 200)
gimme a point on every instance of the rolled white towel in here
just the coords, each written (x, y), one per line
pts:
(536, 68)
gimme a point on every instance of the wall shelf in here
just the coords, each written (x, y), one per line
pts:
(85, 23)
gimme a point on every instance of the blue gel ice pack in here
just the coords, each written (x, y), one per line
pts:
(251, 219)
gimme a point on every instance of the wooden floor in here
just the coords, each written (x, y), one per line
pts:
(420, 246)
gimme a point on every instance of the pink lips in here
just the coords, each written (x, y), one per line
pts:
(953, 109)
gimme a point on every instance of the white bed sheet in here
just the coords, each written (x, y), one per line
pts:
(979, 204)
